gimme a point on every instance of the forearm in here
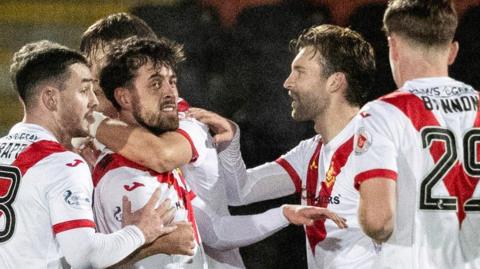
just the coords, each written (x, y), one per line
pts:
(83, 248)
(162, 153)
(137, 255)
(243, 186)
(228, 232)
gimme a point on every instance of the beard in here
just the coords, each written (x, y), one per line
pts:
(308, 108)
(156, 122)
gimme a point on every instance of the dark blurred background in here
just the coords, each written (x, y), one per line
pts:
(238, 59)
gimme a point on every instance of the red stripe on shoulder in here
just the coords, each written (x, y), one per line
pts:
(364, 176)
(412, 106)
(194, 150)
(113, 161)
(292, 173)
(72, 224)
(35, 153)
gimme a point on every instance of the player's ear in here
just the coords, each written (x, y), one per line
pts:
(393, 47)
(49, 98)
(123, 97)
(452, 52)
(337, 81)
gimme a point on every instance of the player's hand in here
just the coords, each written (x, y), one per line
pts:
(86, 148)
(152, 222)
(223, 128)
(181, 241)
(306, 215)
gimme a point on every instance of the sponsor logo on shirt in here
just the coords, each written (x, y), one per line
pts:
(78, 200)
(74, 163)
(362, 141)
(133, 186)
(332, 199)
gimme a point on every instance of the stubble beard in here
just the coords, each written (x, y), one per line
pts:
(309, 110)
(155, 122)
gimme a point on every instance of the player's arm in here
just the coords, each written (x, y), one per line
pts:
(377, 208)
(228, 232)
(179, 242)
(84, 248)
(244, 186)
(375, 170)
(161, 153)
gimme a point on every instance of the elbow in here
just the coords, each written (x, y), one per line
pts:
(377, 226)
(79, 262)
(219, 245)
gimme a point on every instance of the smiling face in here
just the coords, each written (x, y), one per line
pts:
(153, 98)
(306, 85)
(77, 101)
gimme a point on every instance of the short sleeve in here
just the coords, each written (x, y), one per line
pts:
(199, 138)
(70, 192)
(375, 153)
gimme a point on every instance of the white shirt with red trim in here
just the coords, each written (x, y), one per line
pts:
(324, 175)
(115, 176)
(222, 234)
(426, 137)
(45, 202)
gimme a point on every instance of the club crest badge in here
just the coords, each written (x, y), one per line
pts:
(362, 141)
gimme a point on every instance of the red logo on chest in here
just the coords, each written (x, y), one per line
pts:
(74, 163)
(133, 186)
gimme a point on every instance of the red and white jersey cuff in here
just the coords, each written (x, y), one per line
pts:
(194, 150)
(374, 173)
(72, 224)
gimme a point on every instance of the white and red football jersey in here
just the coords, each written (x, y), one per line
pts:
(115, 176)
(222, 234)
(323, 173)
(44, 190)
(426, 136)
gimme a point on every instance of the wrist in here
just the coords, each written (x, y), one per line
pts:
(98, 118)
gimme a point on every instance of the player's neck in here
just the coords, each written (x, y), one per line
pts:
(334, 120)
(415, 64)
(127, 117)
(421, 70)
(48, 122)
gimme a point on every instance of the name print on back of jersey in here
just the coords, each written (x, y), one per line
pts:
(448, 99)
(10, 150)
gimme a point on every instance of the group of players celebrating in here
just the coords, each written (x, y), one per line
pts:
(111, 168)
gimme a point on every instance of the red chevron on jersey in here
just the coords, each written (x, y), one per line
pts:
(317, 232)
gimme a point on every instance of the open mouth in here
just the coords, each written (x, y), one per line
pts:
(169, 107)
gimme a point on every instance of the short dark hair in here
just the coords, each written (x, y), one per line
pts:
(428, 22)
(40, 61)
(129, 55)
(114, 27)
(342, 50)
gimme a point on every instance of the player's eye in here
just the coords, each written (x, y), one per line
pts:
(157, 84)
